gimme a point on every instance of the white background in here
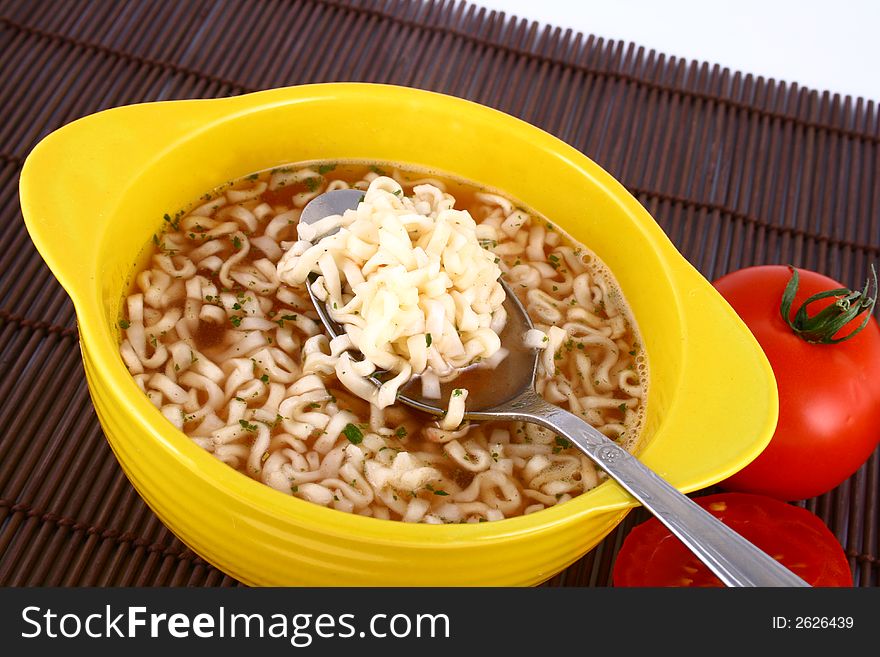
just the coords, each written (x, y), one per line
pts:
(832, 45)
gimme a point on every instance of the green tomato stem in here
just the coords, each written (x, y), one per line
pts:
(824, 325)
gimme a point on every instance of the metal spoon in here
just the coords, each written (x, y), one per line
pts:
(508, 393)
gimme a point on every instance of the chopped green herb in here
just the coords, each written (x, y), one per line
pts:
(401, 432)
(312, 184)
(622, 408)
(326, 168)
(458, 392)
(253, 176)
(236, 320)
(290, 318)
(236, 243)
(377, 170)
(428, 339)
(436, 491)
(265, 378)
(355, 436)
(246, 426)
(562, 442)
(174, 223)
(124, 324)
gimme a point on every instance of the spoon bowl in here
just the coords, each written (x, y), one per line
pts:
(488, 389)
(507, 392)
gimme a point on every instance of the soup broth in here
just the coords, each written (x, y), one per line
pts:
(236, 359)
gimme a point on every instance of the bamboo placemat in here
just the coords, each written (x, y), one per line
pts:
(738, 170)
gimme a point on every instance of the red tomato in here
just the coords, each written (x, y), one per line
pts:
(652, 556)
(829, 394)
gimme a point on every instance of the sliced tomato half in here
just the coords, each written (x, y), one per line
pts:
(651, 556)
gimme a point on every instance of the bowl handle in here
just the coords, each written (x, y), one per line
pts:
(77, 175)
(726, 369)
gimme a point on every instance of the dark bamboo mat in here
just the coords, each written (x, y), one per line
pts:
(738, 170)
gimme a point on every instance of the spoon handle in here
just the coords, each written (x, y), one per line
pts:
(736, 561)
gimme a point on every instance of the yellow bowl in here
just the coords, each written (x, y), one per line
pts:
(95, 191)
